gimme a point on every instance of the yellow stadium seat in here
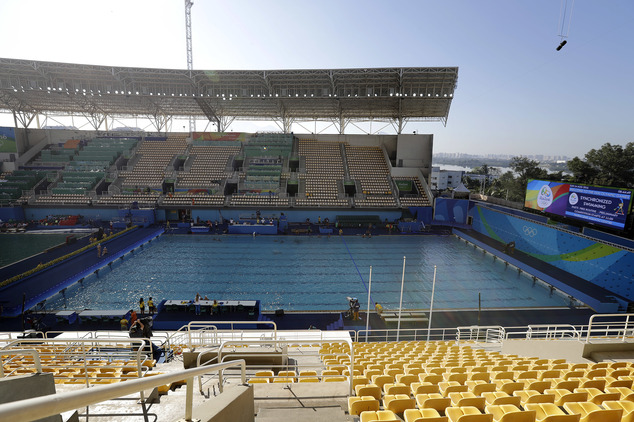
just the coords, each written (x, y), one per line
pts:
(381, 415)
(500, 397)
(539, 386)
(381, 380)
(356, 404)
(626, 405)
(549, 412)
(447, 387)
(423, 415)
(533, 396)
(397, 403)
(478, 387)
(510, 413)
(368, 390)
(565, 396)
(467, 399)
(591, 412)
(625, 393)
(396, 388)
(267, 374)
(467, 414)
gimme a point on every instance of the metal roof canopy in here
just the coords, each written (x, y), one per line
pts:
(395, 95)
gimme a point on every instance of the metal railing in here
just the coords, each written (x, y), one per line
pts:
(82, 360)
(289, 351)
(21, 352)
(481, 334)
(552, 332)
(412, 334)
(206, 333)
(41, 407)
(600, 328)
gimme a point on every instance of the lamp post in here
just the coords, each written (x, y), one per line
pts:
(367, 315)
(400, 304)
(431, 305)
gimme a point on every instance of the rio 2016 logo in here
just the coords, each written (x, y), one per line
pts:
(545, 197)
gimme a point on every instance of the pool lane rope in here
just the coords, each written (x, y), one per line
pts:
(357, 268)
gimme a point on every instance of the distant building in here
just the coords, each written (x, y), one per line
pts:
(445, 179)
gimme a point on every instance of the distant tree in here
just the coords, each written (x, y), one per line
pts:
(525, 169)
(472, 184)
(610, 165)
(582, 172)
(509, 187)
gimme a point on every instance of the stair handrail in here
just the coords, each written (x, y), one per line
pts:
(49, 405)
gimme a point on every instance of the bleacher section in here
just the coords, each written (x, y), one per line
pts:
(150, 169)
(127, 199)
(262, 170)
(411, 381)
(74, 185)
(208, 168)
(416, 197)
(324, 170)
(418, 381)
(193, 200)
(14, 184)
(367, 165)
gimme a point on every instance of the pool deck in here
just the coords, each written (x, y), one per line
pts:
(51, 280)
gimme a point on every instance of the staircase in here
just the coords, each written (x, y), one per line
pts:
(306, 402)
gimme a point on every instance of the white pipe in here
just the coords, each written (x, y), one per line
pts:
(367, 315)
(41, 407)
(431, 305)
(400, 304)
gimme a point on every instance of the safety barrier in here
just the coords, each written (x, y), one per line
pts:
(205, 333)
(616, 326)
(79, 360)
(288, 352)
(41, 407)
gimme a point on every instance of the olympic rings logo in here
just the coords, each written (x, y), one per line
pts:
(529, 231)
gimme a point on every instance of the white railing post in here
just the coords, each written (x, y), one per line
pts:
(431, 305)
(400, 304)
(367, 315)
(189, 399)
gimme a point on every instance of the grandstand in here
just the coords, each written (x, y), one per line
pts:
(469, 373)
(264, 170)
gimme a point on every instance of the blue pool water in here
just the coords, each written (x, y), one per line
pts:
(309, 273)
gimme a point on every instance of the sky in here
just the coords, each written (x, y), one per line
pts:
(515, 94)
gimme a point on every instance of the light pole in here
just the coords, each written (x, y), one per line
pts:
(431, 305)
(367, 315)
(400, 304)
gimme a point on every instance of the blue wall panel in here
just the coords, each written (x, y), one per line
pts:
(604, 265)
(451, 210)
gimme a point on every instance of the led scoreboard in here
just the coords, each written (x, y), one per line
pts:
(600, 205)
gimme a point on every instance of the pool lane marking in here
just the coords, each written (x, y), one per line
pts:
(355, 266)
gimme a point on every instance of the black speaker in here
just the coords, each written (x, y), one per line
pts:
(279, 312)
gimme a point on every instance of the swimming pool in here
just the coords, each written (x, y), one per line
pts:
(17, 246)
(309, 273)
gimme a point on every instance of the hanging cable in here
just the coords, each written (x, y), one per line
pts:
(563, 11)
